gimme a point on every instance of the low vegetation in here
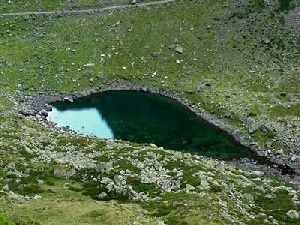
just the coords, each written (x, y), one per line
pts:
(238, 60)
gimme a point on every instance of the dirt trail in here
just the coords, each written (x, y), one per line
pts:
(79, 11)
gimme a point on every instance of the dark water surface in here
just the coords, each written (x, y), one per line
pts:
(146, 118)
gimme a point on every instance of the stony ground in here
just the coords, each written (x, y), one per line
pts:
(238, 60)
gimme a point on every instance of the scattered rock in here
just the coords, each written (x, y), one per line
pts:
(253, 128)
(89, 65)
(59, 173)
(293, 214)
(255, 174)
(189, 187)
(161, 222)
(44, 113)
(102, 195)
(48, 108)
(178, 49)
(199, 86)
(68, 99)
(28, 112)
(153, 145)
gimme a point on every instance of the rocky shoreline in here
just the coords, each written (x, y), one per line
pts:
(38, 105)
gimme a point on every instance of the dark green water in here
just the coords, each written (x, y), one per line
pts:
(146, 118)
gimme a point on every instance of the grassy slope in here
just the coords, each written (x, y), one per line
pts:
(244, 66)
(251, 67)
(73, 208)
(30, 155)
(223, 194)
(49, 5)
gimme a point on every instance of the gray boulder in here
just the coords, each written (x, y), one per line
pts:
(293, 214)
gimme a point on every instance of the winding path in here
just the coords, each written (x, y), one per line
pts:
(80, 11)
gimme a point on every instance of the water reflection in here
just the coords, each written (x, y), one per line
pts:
(87, 121)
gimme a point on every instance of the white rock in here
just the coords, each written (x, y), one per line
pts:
(89, 65)
(178, 49)
(153, 146)
(293, 214)
(189, 187)
(161, 222)
(102, 195)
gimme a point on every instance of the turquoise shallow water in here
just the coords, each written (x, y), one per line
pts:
(146, 118)
(88, 121)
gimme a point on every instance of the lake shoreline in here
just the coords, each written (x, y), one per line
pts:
(37, 105)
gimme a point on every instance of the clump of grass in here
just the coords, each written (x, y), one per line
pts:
(5, 221)
(124, 165)
(278, 206)
(188, 178)
(150, 189)
(285, 5)
(102, 158)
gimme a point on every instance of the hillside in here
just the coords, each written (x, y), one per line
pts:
(237, 60)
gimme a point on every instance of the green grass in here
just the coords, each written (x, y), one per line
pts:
(280, 111)
(242, 55)
(173, 207)
(285, 5)
(4, 221)
(277, 207)
(68, 207)
(48, 5)
(39, 54)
